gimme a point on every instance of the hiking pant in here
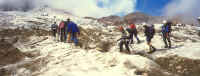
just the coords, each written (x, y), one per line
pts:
(122, 43)
(148, 39)
(74, 38)
(131, 37)
(167, 39)
(151, 47)
(63, 35)
(135, 35)
(69, 34)
(54, 32)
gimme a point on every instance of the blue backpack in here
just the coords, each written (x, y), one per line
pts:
(165, 29)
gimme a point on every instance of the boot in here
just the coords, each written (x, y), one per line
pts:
(152, 49)
(139, 42)
(169, 45)
(166, 46)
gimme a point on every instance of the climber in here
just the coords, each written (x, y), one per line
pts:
(67, 35)
(124, 40)
(133, 31)
(149, 32)
(166, 30)
(54, 28)
(62, 31)
(73, 30)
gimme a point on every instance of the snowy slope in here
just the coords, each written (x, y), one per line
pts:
(64, 59)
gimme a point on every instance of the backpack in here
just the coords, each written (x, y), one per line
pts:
(151, 31)
(166, 28)
(169, 26)
(132, 26)
(54, 26)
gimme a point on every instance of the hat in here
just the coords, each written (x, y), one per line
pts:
(164, 21)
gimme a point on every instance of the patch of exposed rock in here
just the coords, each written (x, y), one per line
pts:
(180, 65)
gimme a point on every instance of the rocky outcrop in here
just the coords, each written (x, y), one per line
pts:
(180, 65)
(136, 17)
(111, 20)
(9, 54)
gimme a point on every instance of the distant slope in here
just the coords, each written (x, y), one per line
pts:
(112, 20)
(136, 17)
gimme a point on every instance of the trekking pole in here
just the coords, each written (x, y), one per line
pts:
(58, 37)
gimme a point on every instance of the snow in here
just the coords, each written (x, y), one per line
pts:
(64, 59)
(189, 51)
(198, 17)
(198, 28)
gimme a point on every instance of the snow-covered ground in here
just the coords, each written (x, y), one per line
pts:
(64, 59)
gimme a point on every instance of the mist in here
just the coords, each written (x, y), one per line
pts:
(17, 5)
(82, 8)
(94, 8)
(186, 10)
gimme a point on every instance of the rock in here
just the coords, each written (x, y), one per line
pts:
(111, 20)
(178, 67)
(23, 72)
(9, 54)
(170, 65)
(92, 46)
(140, 72)
(129, 65)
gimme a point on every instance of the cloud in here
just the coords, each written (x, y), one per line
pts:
(92, 8)
(187, 9)
(20, 5)
(78, 7)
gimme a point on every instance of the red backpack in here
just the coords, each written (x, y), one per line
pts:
(61, 25)
(132, 26)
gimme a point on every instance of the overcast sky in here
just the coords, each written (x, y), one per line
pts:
(100, 8)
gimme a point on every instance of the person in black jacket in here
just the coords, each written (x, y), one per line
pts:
(54, 28)
(149, 33)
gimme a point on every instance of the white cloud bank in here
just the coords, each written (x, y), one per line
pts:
(77, 7)
(20, 5)
(91, 8)
(187, 9)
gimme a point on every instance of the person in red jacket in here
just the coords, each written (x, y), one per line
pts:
(62, 31)
(133, 31)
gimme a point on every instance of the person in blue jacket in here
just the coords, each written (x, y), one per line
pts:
(73, 30)
(166, 30)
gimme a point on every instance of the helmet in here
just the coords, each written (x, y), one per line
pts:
(144, 23)
(164, 21)
(68, 19)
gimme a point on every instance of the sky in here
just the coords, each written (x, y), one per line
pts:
(95, 8)
(102, 8)
(152, 7)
